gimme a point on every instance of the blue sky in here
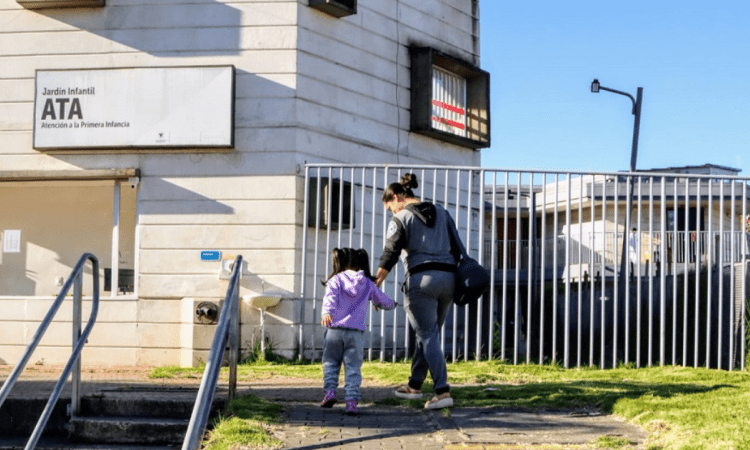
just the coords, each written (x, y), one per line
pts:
(691, 58)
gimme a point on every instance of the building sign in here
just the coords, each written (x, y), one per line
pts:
(210, 255)
(134, 108)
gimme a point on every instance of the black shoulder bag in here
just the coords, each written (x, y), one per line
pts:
(471, 278)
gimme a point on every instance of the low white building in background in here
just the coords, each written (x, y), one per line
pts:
(688, 214)
(165, 137)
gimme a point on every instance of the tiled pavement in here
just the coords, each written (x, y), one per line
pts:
(307, 426)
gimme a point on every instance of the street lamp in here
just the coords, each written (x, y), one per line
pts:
(636, 111)
(596, 87)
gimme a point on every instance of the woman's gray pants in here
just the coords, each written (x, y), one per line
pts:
(429, 295)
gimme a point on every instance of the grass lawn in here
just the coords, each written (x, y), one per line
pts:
(681, 408)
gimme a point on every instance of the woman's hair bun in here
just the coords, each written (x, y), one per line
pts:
(409, 181)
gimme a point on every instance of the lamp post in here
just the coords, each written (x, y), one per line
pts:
(596, 87)
(636, 111)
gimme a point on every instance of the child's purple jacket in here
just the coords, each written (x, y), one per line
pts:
(347, 297)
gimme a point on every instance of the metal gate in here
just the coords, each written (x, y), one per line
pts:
(578, 277)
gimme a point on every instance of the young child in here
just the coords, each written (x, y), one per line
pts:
(349, 289)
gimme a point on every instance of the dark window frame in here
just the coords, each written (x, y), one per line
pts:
(46, 4)
(336, 8)
(477, 97)
(330, 213)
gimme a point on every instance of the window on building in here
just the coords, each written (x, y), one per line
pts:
(450, 99)
(691, 222)
(448, 102)
(336, 8)
(330, 203)
(56, 221)
(44, 4)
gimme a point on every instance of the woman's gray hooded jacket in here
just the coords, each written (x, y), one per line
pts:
(419, 233)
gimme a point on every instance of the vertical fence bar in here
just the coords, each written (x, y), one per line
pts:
(517, 290)
(328, 216)
(639, 243)
(579, 308)
(673, 255)
(650, 264)
(396, 291)
(503, 331)
(555, 265)
(615, 263)
(352, 208)
(372, 246)
(115, 254)
(362, 216)
(318, 213)
(493, 255)
(469, 190)
(698, 257)
(542, 270)
(566, 350)
(720, 274)
(710, 262)
(445, 206)
(745, 245)
(340, 223)
(686, 257)
(628, 267)
(732, 272)
(455, 308)
(303, 281)
(395, 270)
(592, 266)
(480, 240)
(602, 297)
(662, 273)
(531, 270)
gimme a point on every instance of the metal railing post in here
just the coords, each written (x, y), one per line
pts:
(234, 334)
(73, 281)
(226, 330)
(75, 399)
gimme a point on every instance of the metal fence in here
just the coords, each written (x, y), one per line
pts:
(578, 277)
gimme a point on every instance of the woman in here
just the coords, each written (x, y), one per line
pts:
(420, 230)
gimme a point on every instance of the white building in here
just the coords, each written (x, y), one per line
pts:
(158, 134)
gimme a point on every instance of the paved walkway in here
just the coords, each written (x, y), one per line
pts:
(305, 425)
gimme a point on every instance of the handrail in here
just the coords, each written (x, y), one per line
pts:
(79, 340)
(227, 328)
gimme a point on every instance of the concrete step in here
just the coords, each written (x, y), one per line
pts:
(53, 443)
(18, 416)
(143, 404)
(144, 416)
(128, 430)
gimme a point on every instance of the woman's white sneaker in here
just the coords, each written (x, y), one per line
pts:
(439, 401)
(408, 393)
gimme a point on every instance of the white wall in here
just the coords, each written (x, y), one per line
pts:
(309, 88)
(354, 80)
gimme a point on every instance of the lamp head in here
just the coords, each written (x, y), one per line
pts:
(595, 86)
